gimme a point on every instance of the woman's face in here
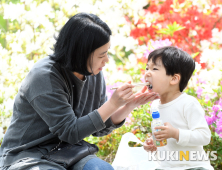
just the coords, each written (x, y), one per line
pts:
(98, 59)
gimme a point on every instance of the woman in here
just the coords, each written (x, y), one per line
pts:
(63, 98)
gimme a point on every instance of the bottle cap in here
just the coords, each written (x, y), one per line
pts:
(155, 113)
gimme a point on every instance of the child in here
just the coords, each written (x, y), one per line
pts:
(168, 72)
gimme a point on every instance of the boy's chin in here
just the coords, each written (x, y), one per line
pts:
(153, 91)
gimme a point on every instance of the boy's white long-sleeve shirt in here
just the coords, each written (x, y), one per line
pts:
(186, 114)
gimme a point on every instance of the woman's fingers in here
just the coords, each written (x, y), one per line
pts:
(144, 98)
(143, 89)
(144, 95)
(125, 86)
(125, 92)
(131, 98)
(127, 96)
(151, 98)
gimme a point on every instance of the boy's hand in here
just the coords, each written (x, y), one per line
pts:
(167, 131)
(148, 145)
(143, 97)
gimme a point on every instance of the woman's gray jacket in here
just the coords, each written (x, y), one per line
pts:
(42, 111)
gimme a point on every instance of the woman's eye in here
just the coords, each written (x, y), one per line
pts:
(147, 68)
(155, 69)
(104, 56)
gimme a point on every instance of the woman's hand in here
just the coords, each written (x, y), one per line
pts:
(148, 145)
(112, 108)
(122, 95)
(143, 97)
(167, 131)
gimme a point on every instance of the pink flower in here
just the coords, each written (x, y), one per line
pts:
(220, 102)
(109, 92)
(219, 114)
(215, 95)
(129, 119)
(219, 126)
(143, 79)
(212, 113)
(213, 116)
(152, 45)
(199, 91)
(216, 108)
(209, 120)
(219, 129)
(202, 81)
(207, 98)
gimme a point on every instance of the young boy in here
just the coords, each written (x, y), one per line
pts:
(168, 72)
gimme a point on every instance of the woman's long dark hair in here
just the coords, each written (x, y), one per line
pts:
(78, 39)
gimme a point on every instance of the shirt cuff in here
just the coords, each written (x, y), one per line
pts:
(97, 120)
(184, 137)
(109, 124)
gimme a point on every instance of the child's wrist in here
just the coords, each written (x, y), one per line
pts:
(176, 134)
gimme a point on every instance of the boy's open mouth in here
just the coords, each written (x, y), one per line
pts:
(150, 86)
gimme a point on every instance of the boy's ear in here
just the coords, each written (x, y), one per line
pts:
(175, 79)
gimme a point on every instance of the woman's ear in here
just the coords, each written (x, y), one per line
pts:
(175, 79)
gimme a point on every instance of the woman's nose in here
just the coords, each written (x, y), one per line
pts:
(107, 58)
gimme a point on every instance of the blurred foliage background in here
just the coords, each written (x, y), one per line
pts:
(28, 27)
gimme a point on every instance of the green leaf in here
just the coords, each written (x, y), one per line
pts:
(214, 125)
(195, 54)
(3, 28)
(12, 1)
(219, 151)
(171, 28)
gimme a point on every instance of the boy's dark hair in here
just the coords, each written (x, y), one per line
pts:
(79, 37)
(175, 61)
